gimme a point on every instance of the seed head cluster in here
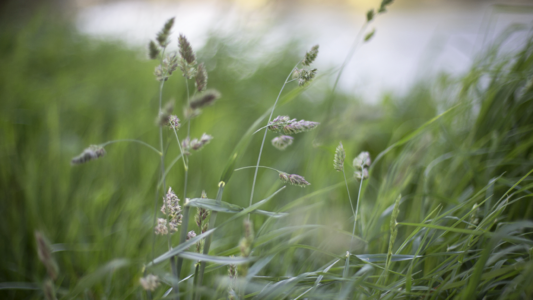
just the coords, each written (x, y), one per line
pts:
(286, 125)
(360, 163)
(196, 144)
(293, 179)
(340, 155)
(246, 242)
(204, 99)
(163, 118)
(201, 78)
(303, 75)
(191, 234)
(187, 61)
(282, 142)
(310, 56)
(149, 282)
(162, 36)
(44, 251)
(91, 153)
(172, 210)
(174, 122)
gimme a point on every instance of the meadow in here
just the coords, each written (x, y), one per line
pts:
(445, 212)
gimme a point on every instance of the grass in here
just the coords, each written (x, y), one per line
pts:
(457, 148)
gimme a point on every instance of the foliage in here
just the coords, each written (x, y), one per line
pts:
(457, 148)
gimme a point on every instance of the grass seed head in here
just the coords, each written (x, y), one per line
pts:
(150, 282)
(305, 76)
(204, 99)
(383, 6)
(162, 36)
(295, 127)
(363, 174)
(191, 234)
(197, 144)
(370, 15)
(282, 142)
(153, 50)
(246, 242)
(161, 227)
(185, 50)
(310, 56)
(91, 153)
(159, 74)
(44, 251)
(340, 155)
(174, 122)
(293, 179)
(201, 78)
(163, 118)
(49, 290)
(232, 270)
(362, 160)
(277, 124)
(188, 71)
(369, 35)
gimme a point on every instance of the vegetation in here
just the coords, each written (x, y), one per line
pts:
(445, 212)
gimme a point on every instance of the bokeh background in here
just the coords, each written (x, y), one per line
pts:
(75, 73)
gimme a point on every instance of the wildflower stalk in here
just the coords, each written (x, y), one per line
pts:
(207, 244)
(264, 136)
(185, 223)
(188, 136)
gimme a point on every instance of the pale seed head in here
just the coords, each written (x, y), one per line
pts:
(153, 50)
(340, 155)
(91, 153)
(204, 99)
(185, 50)
(150, 282)
(201, 78)
(162, 36)
(310, 56)
(362, 160)
(282, 142)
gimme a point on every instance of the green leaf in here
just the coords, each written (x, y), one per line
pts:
(223, 260)
(226, 207)
(383, 257)
(180, 248)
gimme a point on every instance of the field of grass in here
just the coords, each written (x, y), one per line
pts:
(446, 212)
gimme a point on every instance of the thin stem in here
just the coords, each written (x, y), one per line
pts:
(167, 170)
(348, 190)
(161, 138)
(264, 137)
(131, 140)
(181, 150)
(185, 223)
(259, 167)
(188, 136)
(356, 209)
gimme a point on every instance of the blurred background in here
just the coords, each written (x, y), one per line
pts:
(75, 73)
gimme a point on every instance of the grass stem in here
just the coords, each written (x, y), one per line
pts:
(264, 136)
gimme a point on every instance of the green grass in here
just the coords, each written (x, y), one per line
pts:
(451, 143)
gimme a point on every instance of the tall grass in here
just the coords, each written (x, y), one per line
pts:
(458, 150)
